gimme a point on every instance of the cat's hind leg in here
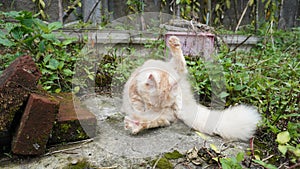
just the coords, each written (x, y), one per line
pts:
(133, 125)
(137, 126)
(158, 123)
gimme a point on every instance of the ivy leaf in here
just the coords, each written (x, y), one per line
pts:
(266, 165)
(223, 94)
(68, 41)
(227, 163)
(42, 46)
(68, 72)
(47, 87)
(54, 26)
(239, 87)
(47, 58)
(296, 151)
(12, 14)
(76, 89)
(6, 42)
(283, 149)
(90, 76)
(283, 137)
(61, 65)
(17, 33)
(41, 25)
(53, 77)
(53, 64)
(49, 36)
(240, 157)
(58, 90)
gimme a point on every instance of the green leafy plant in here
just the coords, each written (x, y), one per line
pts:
(267, 77)
(199, 79)
(232, 163)
(29, 35)
(283, 139)
(264, 164)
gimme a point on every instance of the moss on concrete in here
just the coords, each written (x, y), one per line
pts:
(79, 165)
(67, 131)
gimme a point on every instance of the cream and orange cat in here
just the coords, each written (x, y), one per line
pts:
(158, 93)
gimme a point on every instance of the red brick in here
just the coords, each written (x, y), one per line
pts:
(16, 82)
(73, 123)
(22, 71)
(35, 127)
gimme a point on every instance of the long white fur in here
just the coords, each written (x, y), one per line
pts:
(234, 123)
(141, 74)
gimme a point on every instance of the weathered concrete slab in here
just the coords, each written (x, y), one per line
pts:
(74, 122)
(116, 148)
(36, 124)
(16, 82)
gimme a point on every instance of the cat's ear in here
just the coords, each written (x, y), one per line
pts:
(151, 82)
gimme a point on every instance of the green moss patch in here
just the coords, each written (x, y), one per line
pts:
(80, 165)
(165, 161)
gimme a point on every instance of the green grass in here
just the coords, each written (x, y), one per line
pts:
(267, 77)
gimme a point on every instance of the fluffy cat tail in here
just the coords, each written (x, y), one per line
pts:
(234, 123)
(237, 122)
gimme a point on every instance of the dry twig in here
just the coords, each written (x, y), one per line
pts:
(70, 149)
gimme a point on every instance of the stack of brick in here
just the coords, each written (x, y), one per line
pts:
(16, 83)
(35, 127)
(27, 118)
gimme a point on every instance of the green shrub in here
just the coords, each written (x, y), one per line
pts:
(23, 34)
(268, 78)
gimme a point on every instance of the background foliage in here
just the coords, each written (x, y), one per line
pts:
(267, 77)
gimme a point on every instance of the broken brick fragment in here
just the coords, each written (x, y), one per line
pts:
(16, 82)
(35, 127)
(74, 121)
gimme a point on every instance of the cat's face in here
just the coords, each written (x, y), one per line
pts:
(157, 88)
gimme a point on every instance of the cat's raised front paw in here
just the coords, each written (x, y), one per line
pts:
(174, 42)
